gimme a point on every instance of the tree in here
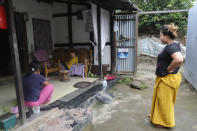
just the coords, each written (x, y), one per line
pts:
(150, 24)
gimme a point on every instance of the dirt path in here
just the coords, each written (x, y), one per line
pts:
(128, 112)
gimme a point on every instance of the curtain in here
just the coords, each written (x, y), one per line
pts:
(105, 30)
(94, 20)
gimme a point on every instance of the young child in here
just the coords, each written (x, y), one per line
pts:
(37, 90)
(73, 60)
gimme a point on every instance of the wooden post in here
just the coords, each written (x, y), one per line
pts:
(92, 47)
(136, 41)
(113, 48)
(16, 62)
(92, 40)
(70, 34)
(99, 42)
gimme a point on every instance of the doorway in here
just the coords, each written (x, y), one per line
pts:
(126, 44)
(5, 54)
(22, 40)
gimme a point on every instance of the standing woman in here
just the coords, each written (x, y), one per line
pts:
(168, 79)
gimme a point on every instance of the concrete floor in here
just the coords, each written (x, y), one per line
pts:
(8, 95)
(129, 110)
(65, 88)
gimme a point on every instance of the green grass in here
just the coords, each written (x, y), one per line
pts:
(125, 80)
(92, 75)
(5, 109)
(129, 80)
(143, 86)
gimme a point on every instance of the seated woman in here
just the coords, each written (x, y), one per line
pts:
(73, 60)
(37, 90)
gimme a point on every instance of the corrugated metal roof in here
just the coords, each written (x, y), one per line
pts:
(109, 4)
(118, 4)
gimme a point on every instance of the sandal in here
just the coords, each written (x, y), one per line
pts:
(158, 126)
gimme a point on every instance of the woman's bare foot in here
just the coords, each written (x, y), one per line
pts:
(149, 115)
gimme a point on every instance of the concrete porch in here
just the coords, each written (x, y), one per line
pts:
(61, 89)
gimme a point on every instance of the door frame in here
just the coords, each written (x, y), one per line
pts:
(128, 17)
(25, 42)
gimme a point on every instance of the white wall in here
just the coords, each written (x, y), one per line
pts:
(61, 30)
(106, 59)
(79, 34)
(34, 10)
(190, 71)
(61, 26)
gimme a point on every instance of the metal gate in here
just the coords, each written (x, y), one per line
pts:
(126, 42)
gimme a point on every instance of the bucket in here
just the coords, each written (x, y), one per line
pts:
(36, 110)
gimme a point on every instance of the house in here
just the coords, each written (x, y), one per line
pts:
(190, 60)
(52, 24)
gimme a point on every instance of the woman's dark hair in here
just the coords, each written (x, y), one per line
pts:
(169, 30)
(33, 67)
(72, 51)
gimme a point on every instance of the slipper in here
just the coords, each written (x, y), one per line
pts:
(29, 113)
(158, 126)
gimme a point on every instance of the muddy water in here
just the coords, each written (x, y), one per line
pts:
(128, 112)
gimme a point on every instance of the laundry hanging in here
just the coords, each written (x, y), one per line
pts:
(105, 30)
(94, 21)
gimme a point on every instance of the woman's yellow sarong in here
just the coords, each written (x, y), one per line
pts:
(164, 97)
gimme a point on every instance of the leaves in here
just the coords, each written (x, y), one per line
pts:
(125, 80)
(143, 86)
(150, 24)
(4, 109)
(90, 74)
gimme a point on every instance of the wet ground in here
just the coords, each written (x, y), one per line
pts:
(129, 110)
